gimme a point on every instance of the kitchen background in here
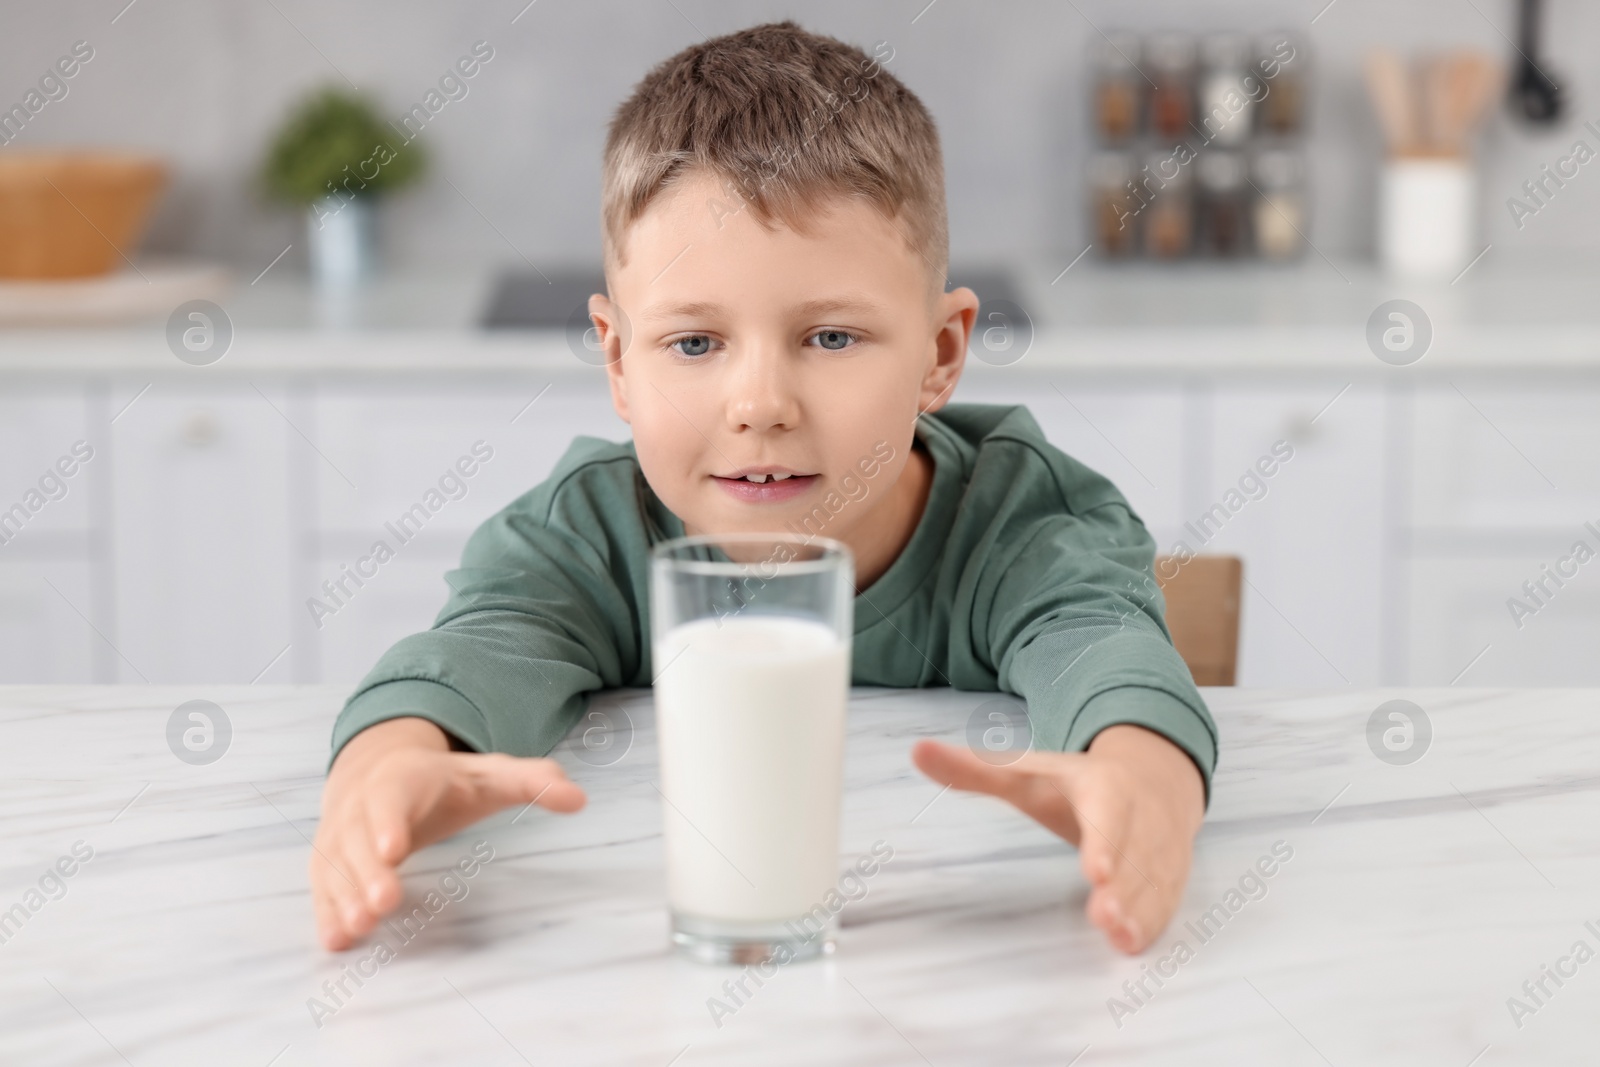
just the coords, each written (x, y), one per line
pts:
(222, 493)
(205, 84)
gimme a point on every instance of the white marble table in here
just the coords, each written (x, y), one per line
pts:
(1418, 900)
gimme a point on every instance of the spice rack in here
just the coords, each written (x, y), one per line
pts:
(1198, 147)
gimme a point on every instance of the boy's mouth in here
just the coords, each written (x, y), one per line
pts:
(765, 484)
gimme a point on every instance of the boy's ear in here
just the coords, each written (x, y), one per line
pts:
(612, 326)
(954, 315)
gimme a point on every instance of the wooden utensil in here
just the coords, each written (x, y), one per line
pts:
(1474, 80)
(1431, 107)
(1387, 81)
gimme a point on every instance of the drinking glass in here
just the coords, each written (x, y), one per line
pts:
(751, 642)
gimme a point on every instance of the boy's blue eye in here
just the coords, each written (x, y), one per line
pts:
(697, 345)
(833, 340)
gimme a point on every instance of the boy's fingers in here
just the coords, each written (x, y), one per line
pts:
(1049, 786)
(959, 768)
(330, 931)
(330, 928)
(1147, 910)
(1041, 784)
(423, 797)
(1131, 909)
(500, 781)
(1136, 883)
(389, 820)
(343, 896)
(1151, 879)
(1110, 913)
(1135, 904)
(1122, 901)
(1103, 820)
(373, 873)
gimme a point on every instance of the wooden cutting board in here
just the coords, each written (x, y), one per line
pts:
(143, 294)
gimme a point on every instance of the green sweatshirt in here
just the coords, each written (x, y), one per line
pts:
(1027, 573)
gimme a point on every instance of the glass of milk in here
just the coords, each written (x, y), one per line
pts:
(751, 642)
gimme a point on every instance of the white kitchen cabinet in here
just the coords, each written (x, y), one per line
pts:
(1313, 542)
(1463, 632)
(201, 510)
(45, 634)
(402, 598)
(1491, 457)
(216, 506)
(38, 428)
(394, 442)
(1175, 449)
(1134, 434)
(51, 561)
(1504, 479)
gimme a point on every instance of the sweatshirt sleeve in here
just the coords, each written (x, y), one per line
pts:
(1078, 632)
(535, 620)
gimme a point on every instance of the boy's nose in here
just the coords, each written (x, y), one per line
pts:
(761, 390)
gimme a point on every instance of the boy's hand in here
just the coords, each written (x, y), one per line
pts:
(1132, 804)
(396, 787)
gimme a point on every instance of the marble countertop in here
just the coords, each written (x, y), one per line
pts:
(1503, 315)
(1414, 902)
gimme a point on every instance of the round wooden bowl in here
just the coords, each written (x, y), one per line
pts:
(73, 214)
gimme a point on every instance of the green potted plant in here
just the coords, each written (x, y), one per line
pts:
(335, 158)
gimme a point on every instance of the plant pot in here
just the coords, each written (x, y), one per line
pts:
(340, 232)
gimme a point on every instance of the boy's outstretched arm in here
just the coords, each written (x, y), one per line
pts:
(454, 724)
(1132, 804)
(394, 788)
(1121, 746)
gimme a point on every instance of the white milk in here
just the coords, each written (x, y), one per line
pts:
(750, 711)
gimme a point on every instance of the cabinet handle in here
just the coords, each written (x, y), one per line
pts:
(1301, 430)
(201, 429)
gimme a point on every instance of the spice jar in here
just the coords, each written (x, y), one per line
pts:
(1225, 97)
(1112, 205)
(1280, 210)
(1222, 223)
(1169, 215)
(1280, 64)
(1118, 88)
(1171, 99)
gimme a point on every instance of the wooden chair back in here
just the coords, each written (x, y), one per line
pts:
(1203, 613)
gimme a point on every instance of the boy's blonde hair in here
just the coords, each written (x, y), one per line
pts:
(783, 119)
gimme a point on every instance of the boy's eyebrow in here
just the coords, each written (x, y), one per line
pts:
(706, 309)
(837, 303)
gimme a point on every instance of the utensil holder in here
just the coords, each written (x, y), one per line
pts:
(1425, 215)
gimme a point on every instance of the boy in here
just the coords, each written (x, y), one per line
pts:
(781, 344)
